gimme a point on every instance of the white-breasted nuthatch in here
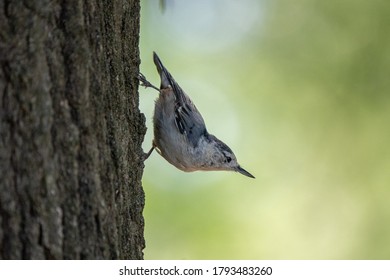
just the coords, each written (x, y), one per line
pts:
(180, 133)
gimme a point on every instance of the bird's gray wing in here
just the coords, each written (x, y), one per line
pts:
(188, 120)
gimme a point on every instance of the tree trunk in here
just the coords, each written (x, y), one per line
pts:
(70, 130)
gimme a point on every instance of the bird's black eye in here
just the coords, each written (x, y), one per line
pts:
(228, 159)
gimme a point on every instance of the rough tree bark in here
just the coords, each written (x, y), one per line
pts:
(70, 130)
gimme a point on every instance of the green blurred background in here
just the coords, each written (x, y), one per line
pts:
(300, 90)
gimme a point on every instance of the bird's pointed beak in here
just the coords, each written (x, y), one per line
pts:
(244, 172)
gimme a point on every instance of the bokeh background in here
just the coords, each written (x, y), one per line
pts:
(300, 90)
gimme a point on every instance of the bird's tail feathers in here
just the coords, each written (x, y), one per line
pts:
(166, 78)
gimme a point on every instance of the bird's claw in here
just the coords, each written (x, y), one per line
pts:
(145, 83)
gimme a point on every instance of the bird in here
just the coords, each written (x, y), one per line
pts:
(180, 133)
